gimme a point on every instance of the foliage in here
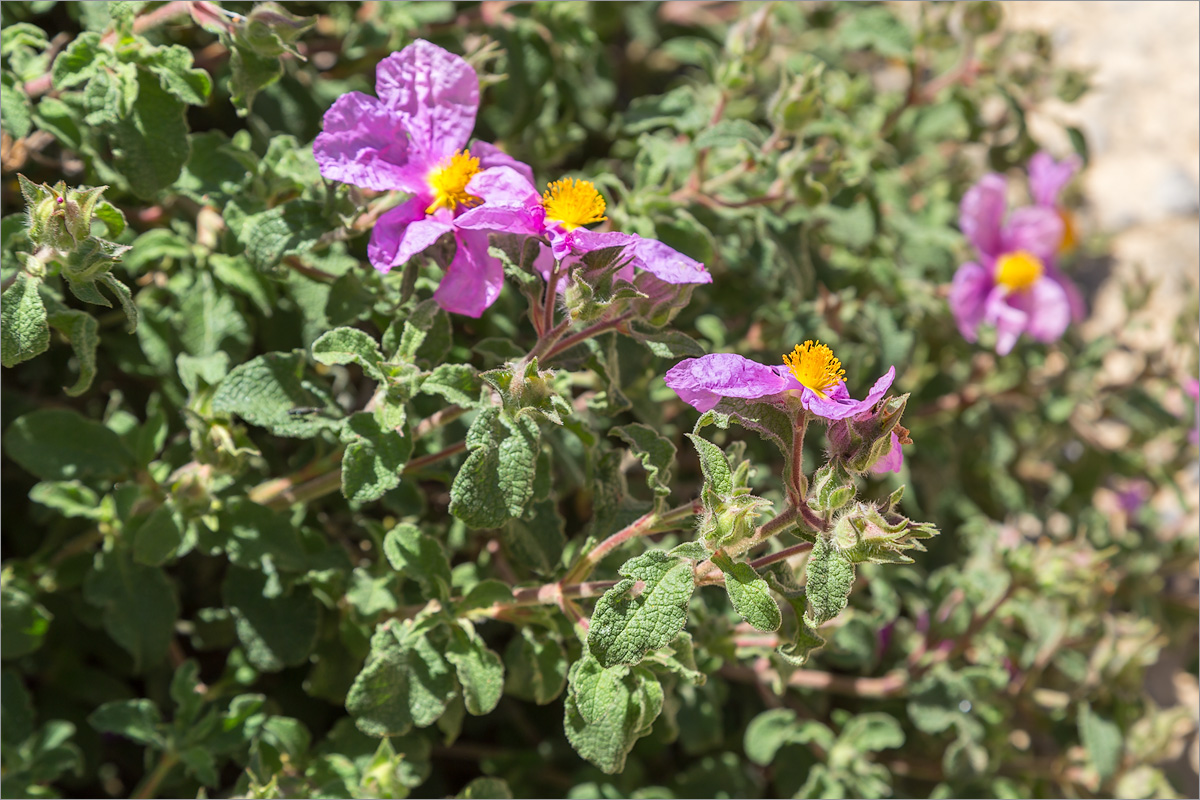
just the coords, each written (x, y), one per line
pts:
(294, 530)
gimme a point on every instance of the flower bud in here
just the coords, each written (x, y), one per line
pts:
(866, 441)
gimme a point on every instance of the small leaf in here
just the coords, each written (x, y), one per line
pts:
(1103, 741)
(150, 144)
(138, 720)
(374, 458)
(290, 229)
(24, 623)
(405, 682)
(657, 453)
(59, 445)
(83, 332)
(496, 481)
(350, 346)
(138, 605)
(717, 475)
(750, 595)
(274, 391)
(767, 733)
(157, 540)
(625, 626)
(829, 580)
(23, 324)
(536, 666)
(277, 631)
(419, 558)
(621, 708)
(480, 670)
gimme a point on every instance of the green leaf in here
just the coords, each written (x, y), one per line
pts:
(405, 682)
(157, 540)
(59, 445)
(277, 631)
(604, 715)
(369, 594)
(374, 458)
(832, 487)
(657, 453)
(828, 582)
(483, 788)
(79, 61)
(23, 625)
(717, 475)
(669, 344)
(184, 684)
(750, 595)
(679, 658)
(16, 112)
(16, 711)
(274, 391)
(290, 229)
(767, 733)
(257, 538)
(350, 346)
(535, 665)
(251, 73)
(536, 540)
(766, 419)
(480, 670)
(138, 605)
(150, 145)
(173, 66)
(626, 625)
(418, 557)
(83, 332)
(138, 720)
(496, 481)
(23, 329)
(126, 299)
(458, 383)
(877, 28)
(69, 498)
(1103, 741)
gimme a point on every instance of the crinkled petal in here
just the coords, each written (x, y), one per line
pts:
(1074, 296)
(473, 280)
(1034, 229)
(666, 263)
(702, 382)
(364, 144)
(892, 461)
(1010, 321)
(1047, 177)
(436, 91)
(582, 240)
(507, 219)
(401, 233)
(491, 157)
(838, 404)
(981, 213)
(972, 283)
(1048, 309)
(504, 186)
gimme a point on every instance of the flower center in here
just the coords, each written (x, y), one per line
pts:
(1070, 238)
(1018, 271)
(815, 366)
(573, 203)
(448, 182)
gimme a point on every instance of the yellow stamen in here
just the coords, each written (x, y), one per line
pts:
(815, 366)
(573, 203)
(1018, 271)
(448, 182)
(1070, 238)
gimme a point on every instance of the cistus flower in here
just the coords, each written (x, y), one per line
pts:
(811, 370)
(1192, 387)
(511, 204)
(413, 138)
(1015, 286)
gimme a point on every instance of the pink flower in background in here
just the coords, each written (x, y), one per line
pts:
(413, 138)
(512, 204)
(1015, 286)
(811, 369)
(1192, 387)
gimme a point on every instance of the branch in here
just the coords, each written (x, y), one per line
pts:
(646, 525)
(893, 684)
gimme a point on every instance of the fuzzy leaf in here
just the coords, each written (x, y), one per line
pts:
(535, 666)
(496, 481)
(59, 445)
(750, 595)
(83, 332)
(374, 458)
(150, 145)
(138, 605)
(273, 391)
(405, 682)
(480, 670)
(717, 475)
(829, 580)
(657, 453)
(23, 324)
(625, 626)
(350, 346)
(623, 707)
(277, 631)
(138, 720)
(420, 558)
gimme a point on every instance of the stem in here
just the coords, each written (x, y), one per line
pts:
(890, 685)
(587, 333)
(437, 420)
(433, 458)
(551, 300)
(644, 526)
(797, 485)
(547, 340)
(149, 786)
(781, 555)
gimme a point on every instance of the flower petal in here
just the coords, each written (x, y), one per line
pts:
(972, 283)
(364, 144)
(504, 186)
(892, 461)
(839, 405)
(436, 91)
(1074, 296)
(507, 219)
(491, 157)
(1048, 308)
(666, 263)
(1047, 177)
(1036, 230)
(402, 233)
(702, 382)
(473, 280)
(981, 213)
(1010, 322)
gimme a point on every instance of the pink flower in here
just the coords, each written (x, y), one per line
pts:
(1192, 387)
(1015, 286)
(810, 369)
(413, 139)
(512, 204)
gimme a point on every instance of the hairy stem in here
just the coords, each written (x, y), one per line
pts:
(587, 333)
(797, 483)
(644, 526)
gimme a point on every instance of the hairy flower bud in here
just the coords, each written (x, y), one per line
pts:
(864, 441)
